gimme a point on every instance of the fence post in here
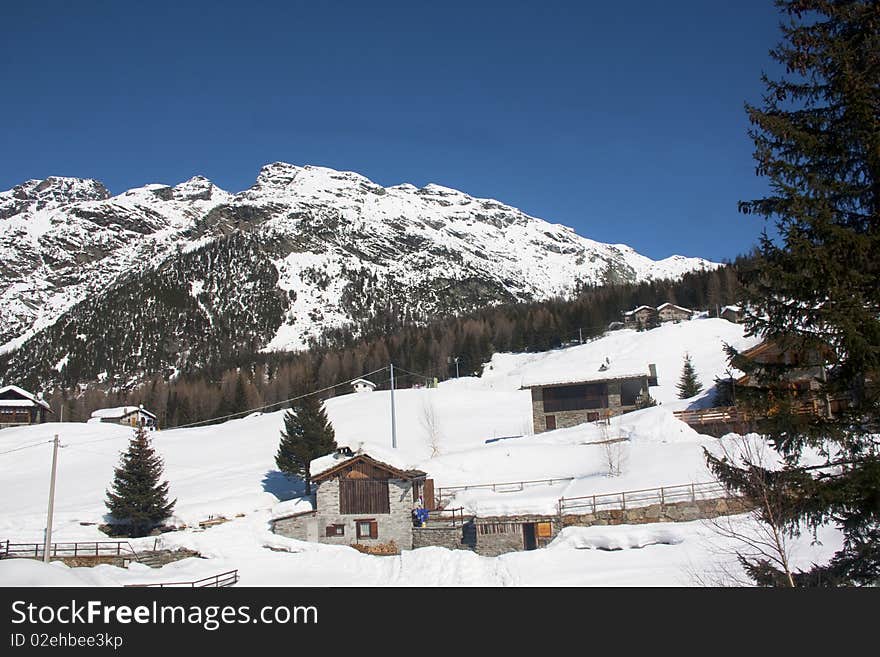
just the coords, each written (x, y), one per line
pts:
(594, 505)
(662, 497)
(623, 501)
(693, 494)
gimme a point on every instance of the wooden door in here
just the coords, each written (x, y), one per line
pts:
(428, 495)
(551, 422)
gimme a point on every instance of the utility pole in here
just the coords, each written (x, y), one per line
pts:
(581, 335)
(51, 502)
(393, 418)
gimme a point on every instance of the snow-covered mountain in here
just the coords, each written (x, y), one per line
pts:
(63, 240)
(333, 249)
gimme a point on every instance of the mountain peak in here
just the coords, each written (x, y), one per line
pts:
(197, 188)
(59, 190)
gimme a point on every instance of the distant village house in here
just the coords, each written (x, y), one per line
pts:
(132, 416)
(669, 312)
(19, 407)
(731, 314)
(362, 385)
(649, 316)
(643, 316)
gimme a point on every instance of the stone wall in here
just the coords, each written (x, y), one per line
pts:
(394, 526)
(676, 512)
(447, 537)
(295, 526)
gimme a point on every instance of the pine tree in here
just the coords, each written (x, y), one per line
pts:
(139, 499)
(307, 435)
(815, 288)
(688, 385)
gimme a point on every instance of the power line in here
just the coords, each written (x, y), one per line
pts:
(213, 419)
(18, 449)
(285, 401)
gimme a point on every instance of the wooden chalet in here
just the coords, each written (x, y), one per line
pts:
(803, 384)
(18, 407)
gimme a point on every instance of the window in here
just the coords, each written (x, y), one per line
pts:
(335, 530)
(367, 528)
(551, 422)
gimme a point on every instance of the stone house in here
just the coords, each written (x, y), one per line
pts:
(359, 500)
(19, 407)
(669, 312)
(560, 404)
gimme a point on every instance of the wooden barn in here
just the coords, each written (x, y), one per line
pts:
(18, 407)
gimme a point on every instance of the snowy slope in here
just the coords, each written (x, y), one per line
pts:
(344, 247)
(484, 427)
(228, 469)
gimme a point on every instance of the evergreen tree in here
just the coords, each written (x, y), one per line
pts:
(815, 289)
(138, 499)
(307, 435)
(688, 385)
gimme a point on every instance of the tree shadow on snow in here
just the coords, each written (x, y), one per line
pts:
(282, 486)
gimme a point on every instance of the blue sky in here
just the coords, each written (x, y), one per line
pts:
(624, 120)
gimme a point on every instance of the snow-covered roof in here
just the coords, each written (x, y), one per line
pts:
(119, 412)
(564, 370)
(735, 309)
(28, 398)
(672, 305)
(635, 310)
(327, 462)
(364, 382)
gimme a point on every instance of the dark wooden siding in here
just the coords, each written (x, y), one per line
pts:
(428, 495)
(362, 470)
(575, 397)
(363, 496)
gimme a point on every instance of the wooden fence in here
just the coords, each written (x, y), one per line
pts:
(445, 492)
(717, 415)
(229, 578)
(9, 550)
(638, 498)
(733, 415)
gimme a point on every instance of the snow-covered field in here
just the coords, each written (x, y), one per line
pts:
(483, 435)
